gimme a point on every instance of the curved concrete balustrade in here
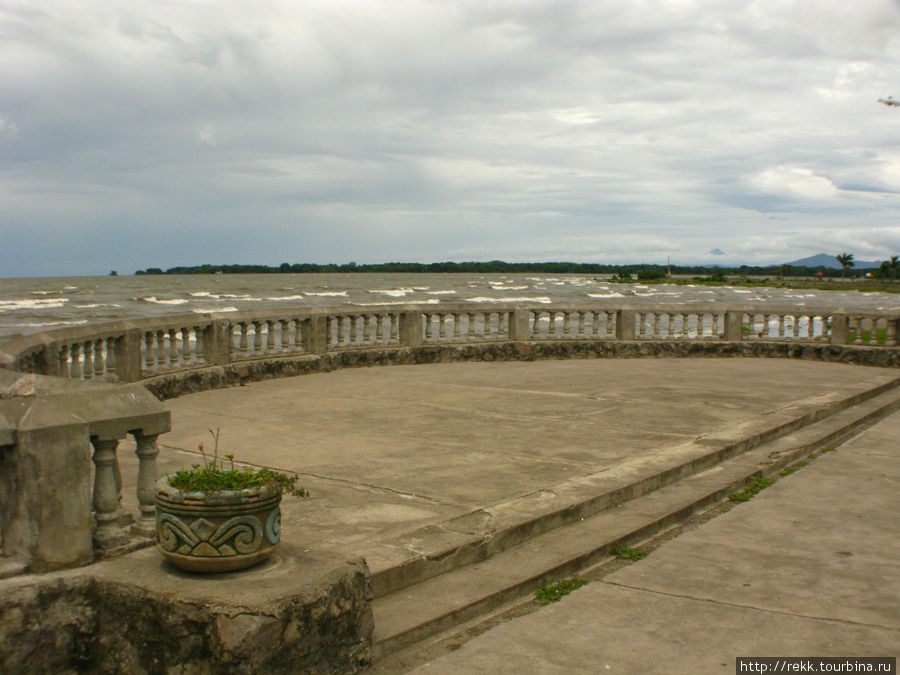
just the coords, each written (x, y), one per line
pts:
(131, 351)
(69, 374)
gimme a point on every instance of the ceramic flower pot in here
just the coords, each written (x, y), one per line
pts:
(221, 532)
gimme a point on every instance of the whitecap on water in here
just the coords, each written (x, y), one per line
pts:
(329, 294)
(214, 310)
(32, 303)
(393, 292)
(542, 300)
(164, 301)
(441, 293)
(605, 295)
(430, 301)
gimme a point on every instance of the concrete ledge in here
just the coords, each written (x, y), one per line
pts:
(298, 612)
(177, 384)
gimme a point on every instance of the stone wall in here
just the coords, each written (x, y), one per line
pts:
(235, 374)
(67, 623)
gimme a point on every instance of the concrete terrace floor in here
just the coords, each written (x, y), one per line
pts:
(385, 451)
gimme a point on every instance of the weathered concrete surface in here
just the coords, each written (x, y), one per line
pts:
(298, 612)
(810, 566)
(386, 451)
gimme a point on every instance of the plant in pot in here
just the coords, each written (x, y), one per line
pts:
(218, 518)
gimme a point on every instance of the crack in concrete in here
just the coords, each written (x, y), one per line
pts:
(751, 607)
(334, 479)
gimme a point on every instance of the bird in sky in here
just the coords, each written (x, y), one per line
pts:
(888, 101)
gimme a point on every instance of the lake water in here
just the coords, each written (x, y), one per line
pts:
(36, 304)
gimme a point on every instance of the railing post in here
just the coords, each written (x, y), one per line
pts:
(893, 332)
(128, 356)
(625, 324)
(313, 334)
(146, 451)
(840, 329)
(518, 324)
(734, 325)
(45, 498)
(411, 328)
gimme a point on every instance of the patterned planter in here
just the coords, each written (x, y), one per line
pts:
(221, 532)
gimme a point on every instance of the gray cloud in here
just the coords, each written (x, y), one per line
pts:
(178, 133)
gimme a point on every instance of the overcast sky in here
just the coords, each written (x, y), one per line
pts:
(136, 134)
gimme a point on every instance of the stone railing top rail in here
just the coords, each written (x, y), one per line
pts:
(16, 344)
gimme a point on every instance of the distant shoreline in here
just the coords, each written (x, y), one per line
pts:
(648, 271)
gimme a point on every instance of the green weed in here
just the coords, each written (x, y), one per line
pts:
(551, 592)
(628, 553)
(755, 485)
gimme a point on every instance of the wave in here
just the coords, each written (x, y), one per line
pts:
(95, 304)
(393, 292)
(336, 294)
(214, 310)
(441, 293)
(286, 297)
(509, 288)
(542, 299)
(163, 301)
(32, 303)
(430, 301)
(220, 296)
(605, 295)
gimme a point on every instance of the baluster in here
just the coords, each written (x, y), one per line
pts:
(285, 326)
(198, 351)
(87, 364)
(99, 364)
(161, 348)
(146, 452)
(598, 324)
(270, 336)
(173, 334)
(244, 345)
(107, 497)
(891, 333)
(395, 329)
(434, 327)
(147, 347)
(257, 337)
(503, 324)
(63, 361)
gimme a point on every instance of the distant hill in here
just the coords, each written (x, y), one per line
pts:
(829, 261)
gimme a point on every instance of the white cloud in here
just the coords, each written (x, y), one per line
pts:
(427, 129)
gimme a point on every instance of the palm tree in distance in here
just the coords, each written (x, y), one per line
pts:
(889, 268)
(846, 261)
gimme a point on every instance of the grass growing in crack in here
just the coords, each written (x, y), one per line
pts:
(754, 486)
(551, 592)
(628, 553)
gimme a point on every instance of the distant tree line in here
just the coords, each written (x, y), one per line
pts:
(643, 271)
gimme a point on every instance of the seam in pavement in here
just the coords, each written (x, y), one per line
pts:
(323, 477)
(752, 607)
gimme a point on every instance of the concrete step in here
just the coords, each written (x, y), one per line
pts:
(442, 547)
(507, 573)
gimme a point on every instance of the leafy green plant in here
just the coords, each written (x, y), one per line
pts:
(213, 476)
(628, 553)
(551, 592)
(754, 486)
